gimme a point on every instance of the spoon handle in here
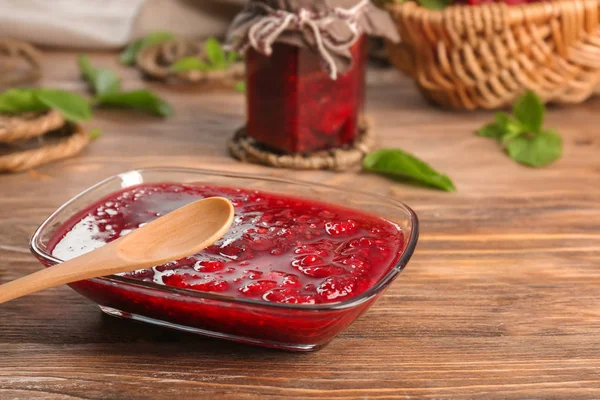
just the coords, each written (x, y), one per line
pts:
(178, 234)
(100, 262)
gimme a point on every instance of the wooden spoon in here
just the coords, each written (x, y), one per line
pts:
(178, 234)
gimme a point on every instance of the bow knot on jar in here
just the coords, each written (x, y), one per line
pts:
(262, 34)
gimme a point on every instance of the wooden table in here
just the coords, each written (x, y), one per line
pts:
(501, 300)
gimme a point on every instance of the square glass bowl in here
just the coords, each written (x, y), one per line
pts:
(297, 327)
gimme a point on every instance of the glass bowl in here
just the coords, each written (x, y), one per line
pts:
(294, 327)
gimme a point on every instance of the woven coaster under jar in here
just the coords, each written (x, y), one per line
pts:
(156, 60)
(31, 140)
(349, 157)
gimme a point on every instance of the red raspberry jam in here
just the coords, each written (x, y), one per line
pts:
(293, 105)
(286, 275)
(279, 249)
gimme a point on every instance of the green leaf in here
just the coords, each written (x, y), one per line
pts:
(398, 163)
(141, 99)
(435, 4)
(15, 101)
(522, 136)
(529, 110)
(102, 80)
(215, 53)
(504, 128)
(73, 106)
(496, 129)
(503, 120)
(106, 81)
(541, 150)
(233, 57)
(95, 133)
(190, 64)
(491, 130)
(128, 55)
(240, 86)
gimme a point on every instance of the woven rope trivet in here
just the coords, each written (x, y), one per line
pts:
(156, 61)
(25, 126)
(12, 55)
(64, 147)
(247, 149)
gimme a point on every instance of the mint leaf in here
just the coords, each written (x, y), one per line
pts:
(215, 53)
(497, 129)
(107, 86)
(503, 120)
(435, 4)
(130, 53)
(95, 133)
(190, 64)
(240, 86)
(73, 107)
(102, 80)
(491, 130)
(512, 129)
(233, 57)
(529, 110)
(523, 136)
(141, 99)
(15, 101)
(216, 58)
(541, 150)
(398, 163)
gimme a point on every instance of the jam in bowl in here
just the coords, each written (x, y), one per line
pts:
(299, 264)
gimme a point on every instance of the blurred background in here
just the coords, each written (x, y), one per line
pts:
(107, 24)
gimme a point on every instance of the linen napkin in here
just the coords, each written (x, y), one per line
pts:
(70, 23)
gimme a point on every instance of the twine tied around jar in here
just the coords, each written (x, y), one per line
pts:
(328, 28)
(263, 34)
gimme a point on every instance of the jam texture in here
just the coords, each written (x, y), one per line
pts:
(293, 106)
(283, 276)
(278, 250)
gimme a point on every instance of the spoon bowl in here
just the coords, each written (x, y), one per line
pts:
(176, 235)
(186, 231)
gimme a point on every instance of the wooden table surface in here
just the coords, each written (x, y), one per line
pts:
(500, 301)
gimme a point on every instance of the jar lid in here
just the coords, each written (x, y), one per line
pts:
(328, 27)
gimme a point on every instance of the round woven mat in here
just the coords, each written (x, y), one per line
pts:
(25, 126)
(350, 157)
(19, 63)
(56, 145)
(156, 60)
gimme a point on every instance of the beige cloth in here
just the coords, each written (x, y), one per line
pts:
(98, 24)
(69, 23)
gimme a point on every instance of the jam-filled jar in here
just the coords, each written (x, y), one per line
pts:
(294, 106)
(305, 70)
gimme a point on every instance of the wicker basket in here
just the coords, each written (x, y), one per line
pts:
(469, 57)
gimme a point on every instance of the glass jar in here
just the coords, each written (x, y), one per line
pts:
(294, 106)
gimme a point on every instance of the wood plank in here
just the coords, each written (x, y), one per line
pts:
(501, 300)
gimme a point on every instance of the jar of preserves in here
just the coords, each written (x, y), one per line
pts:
(305, 70)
